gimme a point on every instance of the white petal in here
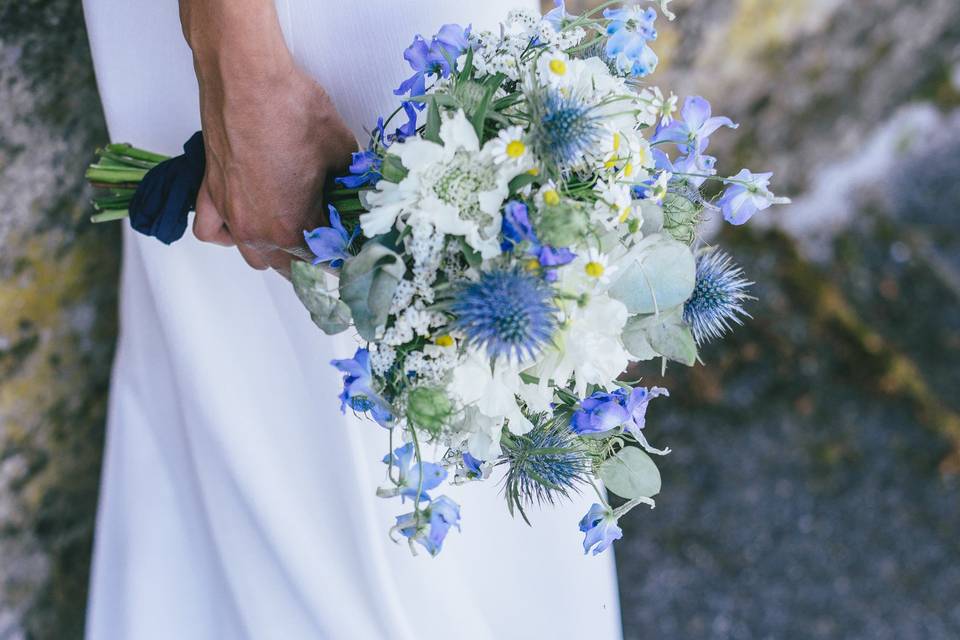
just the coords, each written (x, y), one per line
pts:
(457, 133)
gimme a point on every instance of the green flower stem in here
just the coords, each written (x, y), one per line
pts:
(124, 149)
(114, 175)
(109, 215)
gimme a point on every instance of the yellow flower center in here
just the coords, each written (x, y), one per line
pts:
(594, 269)
(532, 264)
(534, 172)
(624, 214)
(616, 142)
(628, 169)
(552, 198)
(516, 149)
(558, 67)
(444, 341)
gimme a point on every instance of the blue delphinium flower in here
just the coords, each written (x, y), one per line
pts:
(431, 527)
(433, 58)
(692, 132)
(472, 466)
(358, 393)
(565, 128)
(693, 169)
(628, 32)
(601, 529)
(604, 411)
(558, 16)
(364, 170)
(517, 229)
(507, 312)
(331, 244)
(748, 195)
(717, 298)
(409, 473)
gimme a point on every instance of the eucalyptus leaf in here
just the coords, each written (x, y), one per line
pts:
(392, 169)
(666, 335)
(327, 312)
(662, 276)
(631, 473)
(368, 281)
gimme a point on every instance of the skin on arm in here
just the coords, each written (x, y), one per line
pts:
(272, 134)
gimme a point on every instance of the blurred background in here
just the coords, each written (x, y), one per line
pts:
(814, 488)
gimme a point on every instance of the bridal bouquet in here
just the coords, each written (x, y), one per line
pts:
(525, 232)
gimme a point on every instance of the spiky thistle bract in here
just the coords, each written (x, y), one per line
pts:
(718, 297)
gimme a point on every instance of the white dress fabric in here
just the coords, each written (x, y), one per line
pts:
(237, 502)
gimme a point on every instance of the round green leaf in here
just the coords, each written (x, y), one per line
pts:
(630, 474)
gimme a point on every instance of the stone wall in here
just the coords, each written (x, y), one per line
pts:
(813, 490)
(57, 318)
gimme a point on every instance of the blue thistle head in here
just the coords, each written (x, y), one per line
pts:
(718, 297)
(508, 312)
(543, 465)
(565, 129)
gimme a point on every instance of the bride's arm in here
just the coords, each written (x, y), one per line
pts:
(271, 132)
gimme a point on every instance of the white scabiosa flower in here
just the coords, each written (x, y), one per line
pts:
(456, 187)
(493, 391)
(588, 348)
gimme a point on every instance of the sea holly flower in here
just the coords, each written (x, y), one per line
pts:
(509, 313)
(566, 130)
(692, 133)
(747, 194)
(331, 244)
(718, 297)
(358, 393)
(601, 529)
(429, 528)
(435, 58)
(412, 476)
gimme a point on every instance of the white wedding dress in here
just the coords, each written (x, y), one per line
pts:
(237, 502)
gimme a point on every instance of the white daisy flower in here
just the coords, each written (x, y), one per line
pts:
(555, 69)
(510, 146)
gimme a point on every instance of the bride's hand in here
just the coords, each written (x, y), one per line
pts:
(272, 134)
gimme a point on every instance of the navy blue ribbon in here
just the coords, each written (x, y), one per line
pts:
(168, 193)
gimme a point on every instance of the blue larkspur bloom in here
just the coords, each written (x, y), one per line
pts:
(431, 527)
(628, 32)
(508, 312)
(693, 168)
(433, 58)
(627, 408)
(517, 229)
(364, 169)
(358, 393)
(565, 129)
(691, 133)
(473, 466)
(601, 529)
(718, 297)
(331, 244)
(747, 194)
(425, 476)
(558, 16)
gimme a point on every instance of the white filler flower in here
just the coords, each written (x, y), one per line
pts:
(456, 187)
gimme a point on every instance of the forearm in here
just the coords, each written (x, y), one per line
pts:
(235, 40)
